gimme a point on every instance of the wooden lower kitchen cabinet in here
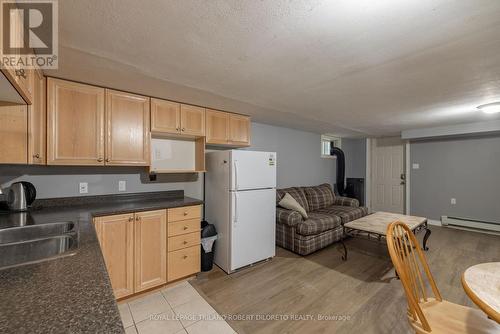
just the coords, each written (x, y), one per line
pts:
(183, 262)
(184, 241)
(150, 249)
(116, 237)
(144, 250)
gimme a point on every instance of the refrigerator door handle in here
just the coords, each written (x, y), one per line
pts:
(236, 186)
(236, 196)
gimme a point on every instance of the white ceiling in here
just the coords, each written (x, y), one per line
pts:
(354, 68)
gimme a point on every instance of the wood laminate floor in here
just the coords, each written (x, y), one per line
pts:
(363, 288)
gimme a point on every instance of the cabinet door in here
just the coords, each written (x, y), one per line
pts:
(217, 127)
(14, 133)
(127, 129)
(239, 130)
(75, 123)
(165, 116)
(150, 249)
(192, 120)
(116, 237)
(37, 124)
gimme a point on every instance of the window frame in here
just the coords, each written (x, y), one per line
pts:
(329, 138)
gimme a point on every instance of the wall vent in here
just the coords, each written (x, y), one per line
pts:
(471, 224)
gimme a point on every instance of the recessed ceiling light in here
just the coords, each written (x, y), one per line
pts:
(490, 108)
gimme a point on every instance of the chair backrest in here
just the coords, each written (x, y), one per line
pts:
(412, 268)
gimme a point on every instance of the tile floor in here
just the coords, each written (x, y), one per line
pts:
(178, 309)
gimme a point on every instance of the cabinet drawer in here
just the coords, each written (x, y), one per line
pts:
(184, 227)
(183, 241)
(184, 262)
(184, 213)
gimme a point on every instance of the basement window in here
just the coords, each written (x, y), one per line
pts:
(327, 142)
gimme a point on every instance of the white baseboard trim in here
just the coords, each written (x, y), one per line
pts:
(434, 222)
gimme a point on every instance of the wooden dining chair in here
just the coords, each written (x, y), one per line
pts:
(427, 311)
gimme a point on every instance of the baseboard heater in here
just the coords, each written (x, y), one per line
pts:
(471, 224)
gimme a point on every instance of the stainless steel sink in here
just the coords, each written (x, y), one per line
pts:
(25, 252)
(35, 243)
(30, 232)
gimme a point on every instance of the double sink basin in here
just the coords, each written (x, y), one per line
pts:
(35, 243)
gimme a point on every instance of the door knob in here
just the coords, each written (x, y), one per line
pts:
(185, 213)
(100, 159)
(185, 228)
(36, 156)
(185, 256)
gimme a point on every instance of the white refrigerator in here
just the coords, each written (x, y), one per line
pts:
(240, 200)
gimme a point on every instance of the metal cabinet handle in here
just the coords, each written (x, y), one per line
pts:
(107, 159)
(36, 156)
(100, 159)
(178, 129)
(185, 228)
(131, 219)
(185, 242)
(185, 213)
(137, 218)
(183, 129)
(185, 256)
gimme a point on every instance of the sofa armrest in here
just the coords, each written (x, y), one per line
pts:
(288, 217)
(346, 201)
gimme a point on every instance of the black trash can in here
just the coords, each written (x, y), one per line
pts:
(208, 237)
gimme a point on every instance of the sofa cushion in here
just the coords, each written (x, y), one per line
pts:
(288, 202)
(345, 213)
(319, 197)
(317, 223)
(297, 193)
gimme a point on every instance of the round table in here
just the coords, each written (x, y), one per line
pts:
(482, 284)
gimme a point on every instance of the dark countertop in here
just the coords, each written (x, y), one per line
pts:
(71, 294)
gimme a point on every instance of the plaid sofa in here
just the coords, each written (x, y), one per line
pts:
(326, 215)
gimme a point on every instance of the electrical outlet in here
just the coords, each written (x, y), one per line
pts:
(158, 154)
(453, 201)
(122, 185)
(84, 188)
(416, 166)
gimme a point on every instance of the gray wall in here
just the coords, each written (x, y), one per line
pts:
(299, 163)
(355, 157)
(298, 155)
(467, 169)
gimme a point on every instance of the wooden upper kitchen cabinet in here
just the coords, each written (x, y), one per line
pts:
(150, 249)
(165, 116)
(217, 127)
(127, 129)
(22, 79)
(37, 122)
(14, 132)
(239, 130)
(228, 129)
(169, 117)
(192, 120)
(75, 123)
(116, 237)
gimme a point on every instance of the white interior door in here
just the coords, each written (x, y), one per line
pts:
(253, 215)
(388, 175)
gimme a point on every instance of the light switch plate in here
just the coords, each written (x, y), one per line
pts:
(84, 188)
(122, 185)
(453, 201)
(415, 166)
